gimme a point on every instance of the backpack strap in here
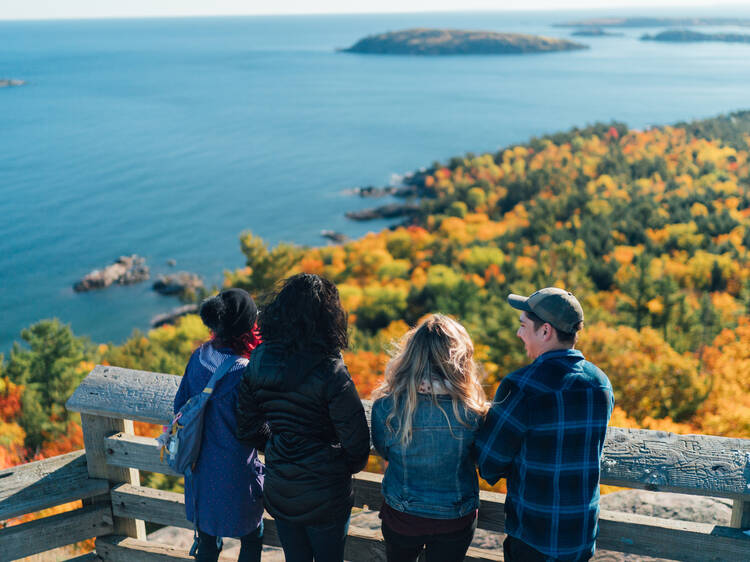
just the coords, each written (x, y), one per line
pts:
(222, 370)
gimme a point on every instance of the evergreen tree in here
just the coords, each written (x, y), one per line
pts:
(50, 370)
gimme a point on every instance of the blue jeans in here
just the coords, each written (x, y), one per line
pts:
(323, 542)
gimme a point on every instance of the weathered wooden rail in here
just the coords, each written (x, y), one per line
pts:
(115, 505)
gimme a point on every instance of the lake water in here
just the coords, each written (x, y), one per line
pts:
(168, 137)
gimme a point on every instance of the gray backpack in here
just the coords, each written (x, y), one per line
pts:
(183, 440)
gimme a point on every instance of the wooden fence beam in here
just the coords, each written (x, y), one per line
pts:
(126, 393)
(670, 538)
(125, 450)
(34, 486)
(660, 461)
(687, 474)
(47, 533)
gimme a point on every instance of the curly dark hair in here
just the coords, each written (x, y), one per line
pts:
(305, 314)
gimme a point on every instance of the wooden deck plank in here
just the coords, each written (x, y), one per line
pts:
(47, 533)
(41, 484)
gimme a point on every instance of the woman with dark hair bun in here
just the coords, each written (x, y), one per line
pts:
(223, 494)
(299, 404)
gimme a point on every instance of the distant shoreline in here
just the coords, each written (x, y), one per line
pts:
(690, 36)
(653, 22)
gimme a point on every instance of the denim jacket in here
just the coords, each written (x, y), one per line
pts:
(435, 475)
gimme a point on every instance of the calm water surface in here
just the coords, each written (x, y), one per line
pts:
(169, 137)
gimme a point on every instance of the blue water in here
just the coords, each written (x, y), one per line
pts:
(168, 137)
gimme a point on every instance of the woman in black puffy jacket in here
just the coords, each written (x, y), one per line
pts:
(298, 403)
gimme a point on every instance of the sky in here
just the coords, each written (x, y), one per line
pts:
(57, 9)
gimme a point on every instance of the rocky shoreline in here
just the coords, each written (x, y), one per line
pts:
(173, 315)
(689, 36)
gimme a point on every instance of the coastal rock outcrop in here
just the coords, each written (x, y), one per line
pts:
(423, 41)
(333, 236)
(173, 315)
(177, 283)
(391, 211)
(127, 270)
(9, 82)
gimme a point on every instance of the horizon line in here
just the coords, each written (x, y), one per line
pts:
(708, 5)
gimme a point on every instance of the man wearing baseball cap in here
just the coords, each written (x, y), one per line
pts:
(545, 433)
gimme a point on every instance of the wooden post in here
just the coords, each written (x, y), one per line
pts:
(95, 430)
(741, 514)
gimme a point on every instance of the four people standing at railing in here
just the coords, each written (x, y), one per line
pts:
(223, 492)
(299, 404)
(544, 432)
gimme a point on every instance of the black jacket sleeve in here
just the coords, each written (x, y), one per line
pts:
(348, 416)
(252, 427)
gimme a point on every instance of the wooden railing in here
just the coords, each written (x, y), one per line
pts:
(115, 505)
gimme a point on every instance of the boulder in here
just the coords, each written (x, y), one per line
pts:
(127, 270)
(334, 236)
(10, 82)
(178, 283)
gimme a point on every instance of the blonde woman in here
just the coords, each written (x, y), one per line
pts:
(424, 419)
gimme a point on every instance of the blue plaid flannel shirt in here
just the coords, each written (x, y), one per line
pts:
(545, 433)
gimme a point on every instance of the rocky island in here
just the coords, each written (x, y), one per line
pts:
(126, 270)
(9, 82)
(689, 36)
(595, 32)
(457, 42)
(181, 283)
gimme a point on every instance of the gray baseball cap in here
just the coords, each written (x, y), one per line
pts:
(555, 306)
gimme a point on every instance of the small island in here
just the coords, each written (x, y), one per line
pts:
(653, 22)
(457, 42)
(689, 36)
(595, 32)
